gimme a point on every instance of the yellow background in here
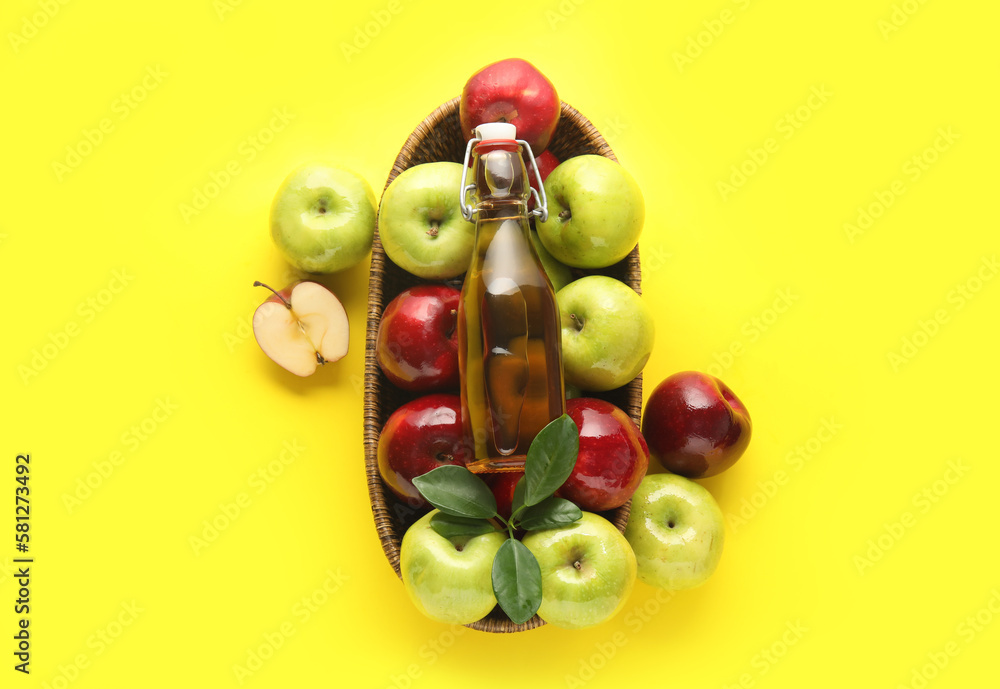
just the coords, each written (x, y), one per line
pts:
(861, 521)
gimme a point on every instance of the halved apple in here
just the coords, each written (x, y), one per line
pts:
(301, 327)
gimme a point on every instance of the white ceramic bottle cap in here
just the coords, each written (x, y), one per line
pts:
(496, 130)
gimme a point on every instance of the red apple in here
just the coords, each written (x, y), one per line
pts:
(421, 435)
(417, 342)
(301, 327)
(546, 163)
(514, 91)
(502, 484)
(695, 425)
(613, 456)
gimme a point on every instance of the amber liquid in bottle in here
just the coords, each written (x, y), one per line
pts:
(510, 350)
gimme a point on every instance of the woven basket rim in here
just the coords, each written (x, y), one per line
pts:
(387, 533)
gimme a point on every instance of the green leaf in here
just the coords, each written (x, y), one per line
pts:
(457, 491)
(517, 581)
(450, 526)
(550, 459)
(549, 514)
(517, 501)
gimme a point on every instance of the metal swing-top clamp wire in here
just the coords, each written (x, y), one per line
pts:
(541, 209)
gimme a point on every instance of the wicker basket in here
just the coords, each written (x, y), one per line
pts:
(439, 138)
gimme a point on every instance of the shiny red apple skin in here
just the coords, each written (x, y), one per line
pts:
(417, 342)
(546, 163)
(695, 425)
(421, 435)
(613, 456)
(502, 484)
(514, 91)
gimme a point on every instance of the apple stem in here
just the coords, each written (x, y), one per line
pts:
(258, 283)
(433, 232)
(577, 565)
(565, 215)
(319, 359)
(577, 321)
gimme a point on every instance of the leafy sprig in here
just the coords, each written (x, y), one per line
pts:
(467, 508)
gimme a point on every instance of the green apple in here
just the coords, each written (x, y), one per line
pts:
(588, 571)
(420, 222)
(559, 274)
(323, 218)
(607, 332)
(596, 211)
(449, 579)
(676, 530)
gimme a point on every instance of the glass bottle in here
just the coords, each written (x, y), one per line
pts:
(509, 338)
